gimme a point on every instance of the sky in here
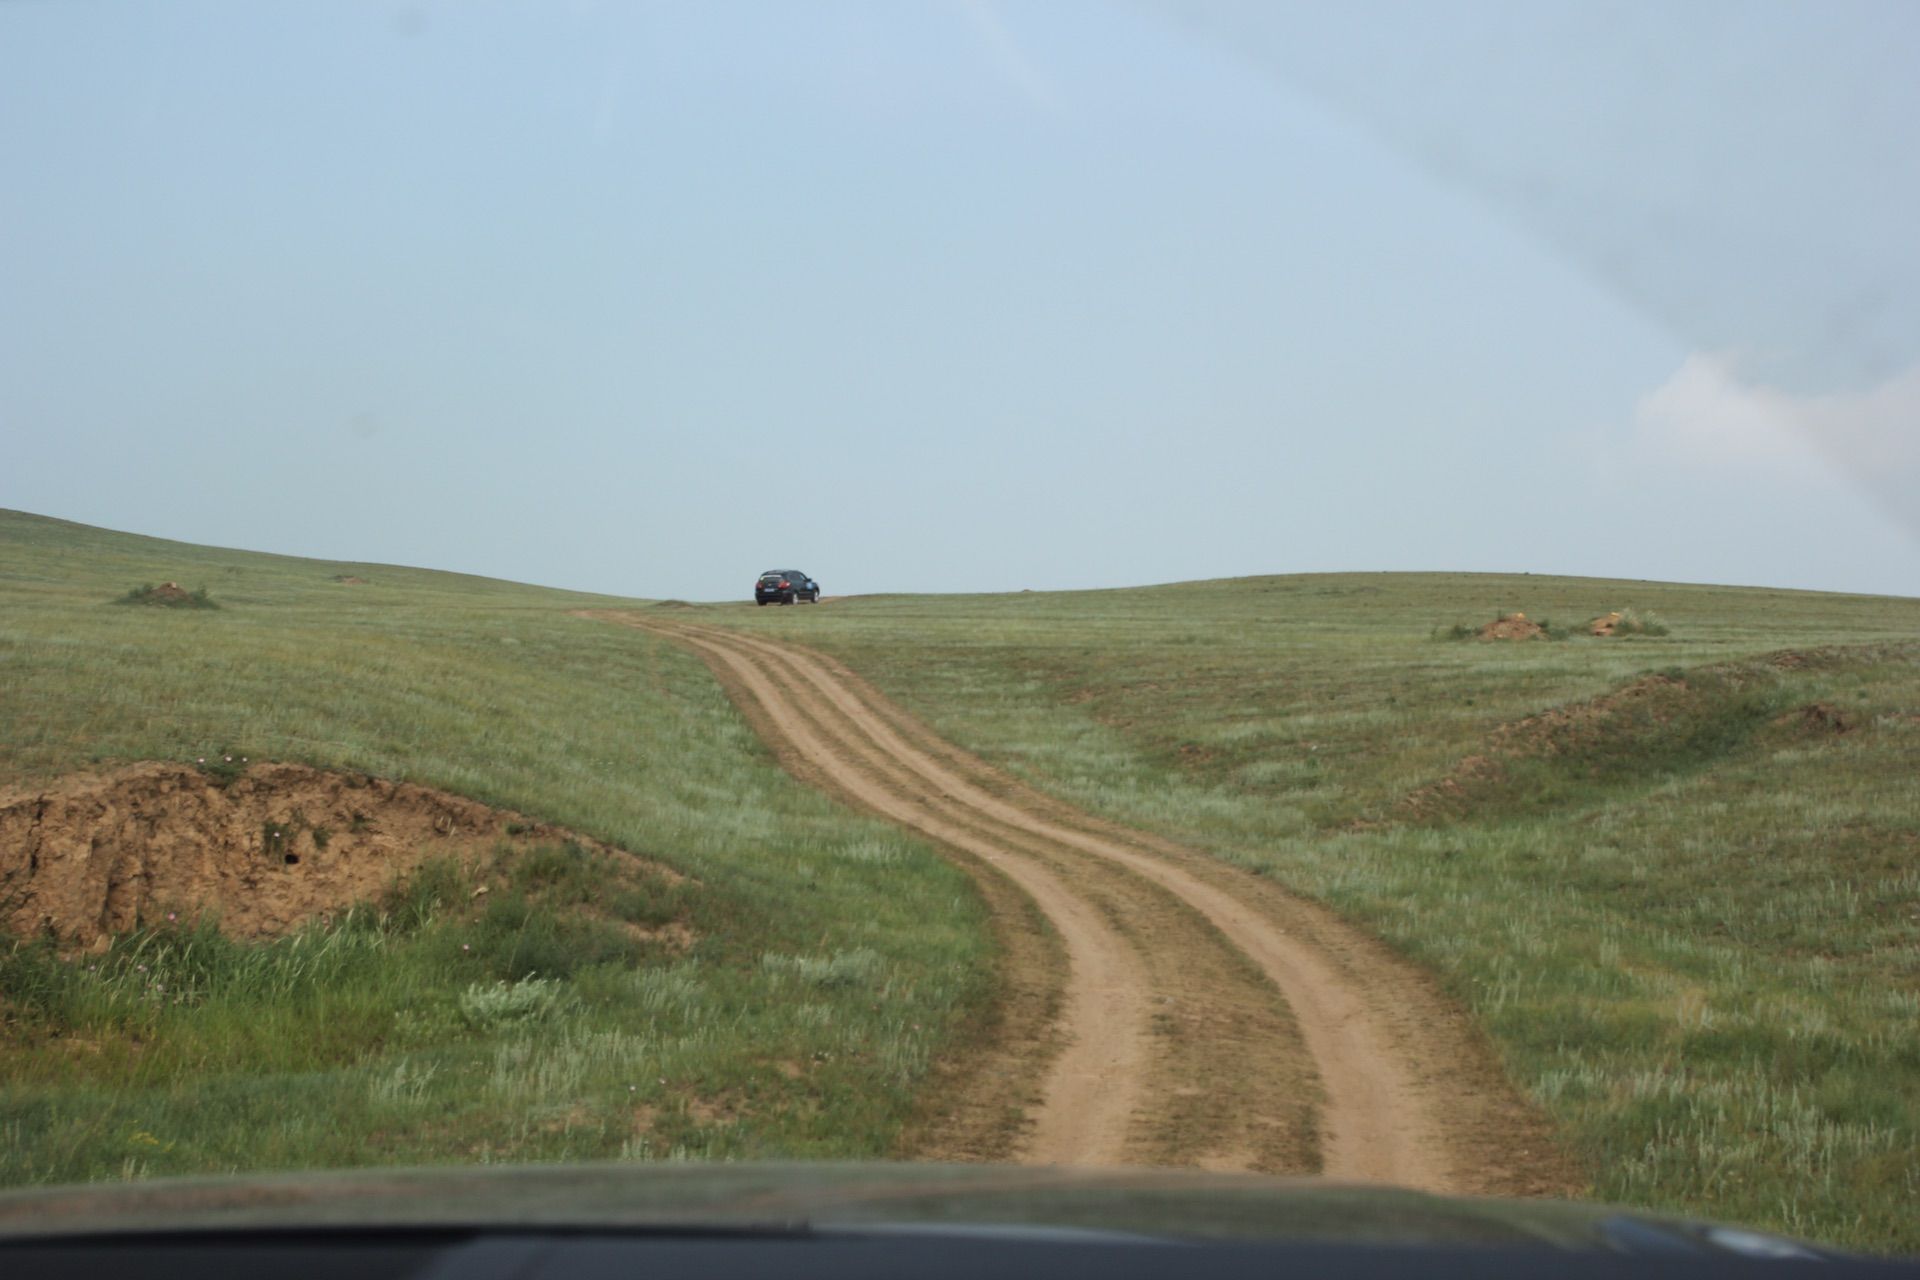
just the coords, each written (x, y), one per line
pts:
(965, 296)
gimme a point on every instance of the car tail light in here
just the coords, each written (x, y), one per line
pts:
(784, 585)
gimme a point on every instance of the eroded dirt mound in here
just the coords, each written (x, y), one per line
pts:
(1650, 727)
(168, 595)
(1640, 710)
(1515, 626)
(262, 852)
(350, 579)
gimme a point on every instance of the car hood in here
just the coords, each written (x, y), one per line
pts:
(815, 1197)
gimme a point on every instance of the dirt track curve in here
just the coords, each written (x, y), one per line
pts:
(1161, 1006)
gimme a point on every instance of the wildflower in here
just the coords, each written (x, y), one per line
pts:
(228, 759)
(201, 760)
(172, 916)
(465, 947)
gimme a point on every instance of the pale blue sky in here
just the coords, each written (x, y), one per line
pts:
(960, 296)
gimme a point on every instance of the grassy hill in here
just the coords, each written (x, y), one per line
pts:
(1678, 877)
(831, 956)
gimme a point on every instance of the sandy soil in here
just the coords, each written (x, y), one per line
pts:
(1196, 1014)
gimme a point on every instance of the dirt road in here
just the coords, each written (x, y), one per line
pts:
(1161, 1006)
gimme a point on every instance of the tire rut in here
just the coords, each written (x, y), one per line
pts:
(1206, 1016)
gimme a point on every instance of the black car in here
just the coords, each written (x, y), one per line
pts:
(785, 586)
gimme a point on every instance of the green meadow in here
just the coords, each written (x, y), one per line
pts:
(832, 958)
(1677, 877)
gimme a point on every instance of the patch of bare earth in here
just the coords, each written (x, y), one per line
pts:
(261, 853)
(1515, 626)
(1160, 1007)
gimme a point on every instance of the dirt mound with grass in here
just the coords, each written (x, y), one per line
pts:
(1652, 726)
(350, 579)
(1627, 622)
(168, 595)
(1514, 626)
(261, 850)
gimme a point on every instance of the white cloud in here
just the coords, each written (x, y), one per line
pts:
(1707, 416)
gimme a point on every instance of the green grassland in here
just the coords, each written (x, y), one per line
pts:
(1685, 907)
(833, 957)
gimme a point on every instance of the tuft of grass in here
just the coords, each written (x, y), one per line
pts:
(1635, 623)
(530, 999)
(223, 767)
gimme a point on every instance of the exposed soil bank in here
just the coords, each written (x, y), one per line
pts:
(261, 852)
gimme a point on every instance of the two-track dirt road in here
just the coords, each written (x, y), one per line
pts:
(1162, 1006)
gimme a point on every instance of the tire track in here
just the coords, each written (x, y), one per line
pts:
(1206, 1015)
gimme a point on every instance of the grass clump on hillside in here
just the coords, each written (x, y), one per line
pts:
(169, 595)
(1634, 623)
(531, 999)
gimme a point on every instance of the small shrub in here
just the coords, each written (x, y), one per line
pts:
(411, 904)
(516, 936)
(1634, 623)
(1458, 631)
(223, 766)
(562, 872)
(530, 999)
(36, 986)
